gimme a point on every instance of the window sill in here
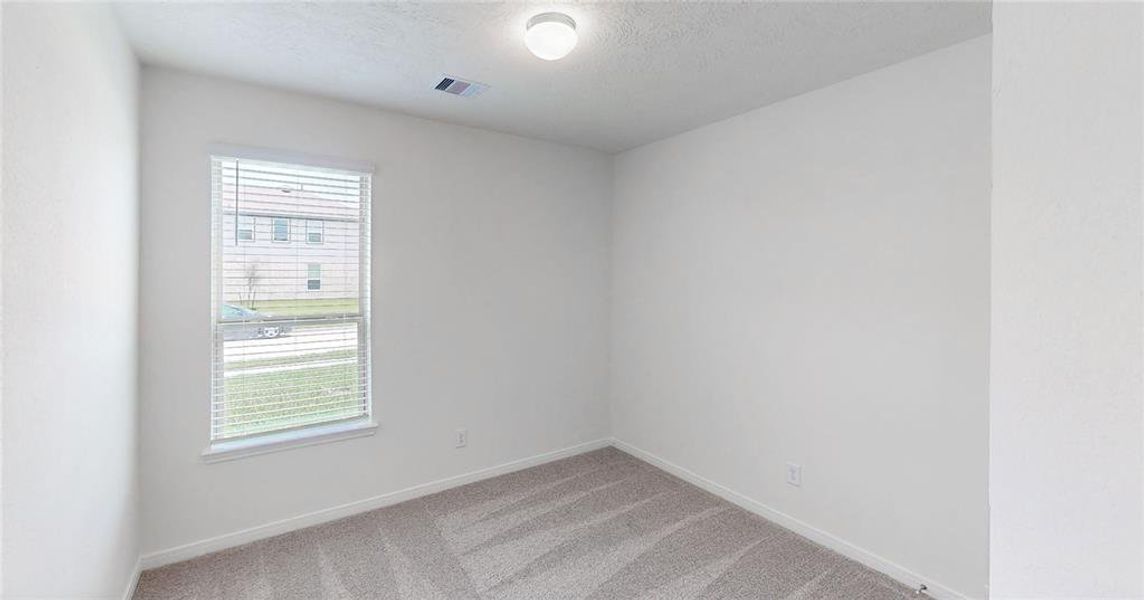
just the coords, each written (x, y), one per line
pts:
(286, 440)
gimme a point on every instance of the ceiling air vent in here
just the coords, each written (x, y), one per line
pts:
(460, 87)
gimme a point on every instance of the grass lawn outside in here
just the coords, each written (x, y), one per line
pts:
(293, 360)
(296, 307)
(268, 401)
(293, 383)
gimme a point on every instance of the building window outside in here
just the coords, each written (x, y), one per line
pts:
(313, 276)
(314, 232)
(281, 230)
(246, 228)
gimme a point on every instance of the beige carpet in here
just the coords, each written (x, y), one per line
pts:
(596, 526)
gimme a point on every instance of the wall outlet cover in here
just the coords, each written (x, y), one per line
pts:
(794, 474)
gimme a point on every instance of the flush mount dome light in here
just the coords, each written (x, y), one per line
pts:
(550, 36)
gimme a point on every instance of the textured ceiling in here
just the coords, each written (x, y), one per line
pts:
(642, 71)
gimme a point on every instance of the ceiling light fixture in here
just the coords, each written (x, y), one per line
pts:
(550, 36)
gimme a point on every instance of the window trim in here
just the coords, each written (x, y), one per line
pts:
(320, 433)
(238, 228)
(274, 230)
(310, 277)
(287, 156)
(321, 231)
(287, 439)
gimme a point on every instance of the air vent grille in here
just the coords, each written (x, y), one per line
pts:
(459, 87)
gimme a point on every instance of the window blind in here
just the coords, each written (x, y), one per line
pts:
(290, 297)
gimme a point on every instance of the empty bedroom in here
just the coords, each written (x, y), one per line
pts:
(834, 300)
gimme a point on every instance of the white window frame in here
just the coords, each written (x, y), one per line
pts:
(321, 231)
(230, 449)
(238, 228)
(274, 229)
(310, 276)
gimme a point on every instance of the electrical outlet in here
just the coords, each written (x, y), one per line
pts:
(462, 438)
(794, 474)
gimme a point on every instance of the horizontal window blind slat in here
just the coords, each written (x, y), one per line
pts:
(339, 203)
(314, 349)
(245, 418)
(344, 188)
(324, 410)
(286, 408)
(339, 384)
(283, 401)
(248, 168)
(251, 395)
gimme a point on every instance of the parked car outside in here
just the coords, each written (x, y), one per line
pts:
(247, 324)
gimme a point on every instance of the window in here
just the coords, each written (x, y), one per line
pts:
(289, 360)
(281, 230)
(313, 276)
(245, 228)
(314, 232)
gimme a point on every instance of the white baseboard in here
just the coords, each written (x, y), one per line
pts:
(133, 582)
(253, 534)
(909, 578)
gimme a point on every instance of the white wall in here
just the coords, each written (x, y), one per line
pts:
(490, 278)
(70, 269)
(1067, 399)
(808, 282)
